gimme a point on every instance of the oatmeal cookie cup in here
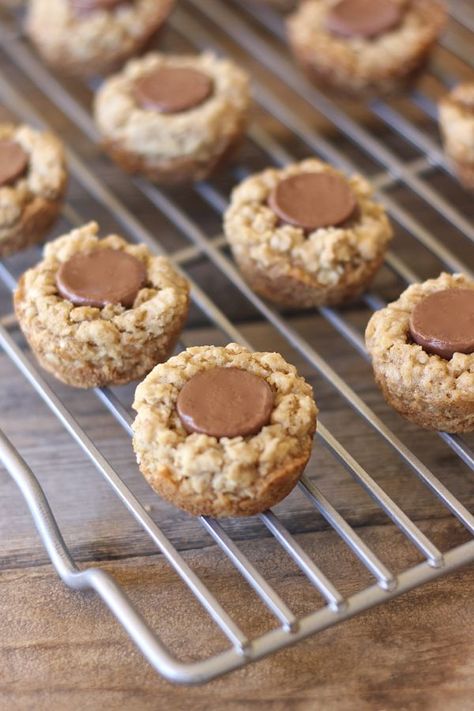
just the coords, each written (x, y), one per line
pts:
(83, 37)
(365, 47)
(298, 267)
(33, 180)
(107, 343)
(173, 118)
(456, 117)
(213, 475)
(433, 391)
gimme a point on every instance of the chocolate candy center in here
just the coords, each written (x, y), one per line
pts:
(104, 276)
(225, 402)
(363, 18)
(313, 200)
(170, 90)
(13, 162)
(84, 7)
(443, 323)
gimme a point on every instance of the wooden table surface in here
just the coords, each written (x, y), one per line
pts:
(61, 649)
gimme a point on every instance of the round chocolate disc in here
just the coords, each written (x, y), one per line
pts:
(225, 402)
(170, 90)
(313, 200)
(86, 6)
(13, 162)
(104, 276)
(443, 323)
(363, 18)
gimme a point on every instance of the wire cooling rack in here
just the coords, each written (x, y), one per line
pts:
(288, 103)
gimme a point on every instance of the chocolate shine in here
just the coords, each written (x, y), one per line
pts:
(13, 162)
(363, 18)
(100, 277)
(225, 402)
(443, 323)
(313, 200)
(171, 90)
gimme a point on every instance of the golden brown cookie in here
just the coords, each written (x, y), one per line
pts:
(33, 180)
(84, 37)
(365, 47)
(223, 431)
(173, 118)
(100, 311)
(330, 256)
(456, 118)
(422, 349)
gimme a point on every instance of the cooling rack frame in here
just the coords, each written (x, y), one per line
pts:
(243, 24)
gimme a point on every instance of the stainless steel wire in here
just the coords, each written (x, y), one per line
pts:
(238, 27)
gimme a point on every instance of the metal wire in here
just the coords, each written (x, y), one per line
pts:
(387, 584)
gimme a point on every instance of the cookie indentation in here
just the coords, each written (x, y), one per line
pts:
(443, 322)
(100, 277)
(171, 90)
(13, 162)
(225, 402)
(363, 18)
(84, 7)
(313, 200)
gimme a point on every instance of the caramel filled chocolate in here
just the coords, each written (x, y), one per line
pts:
(84, 7)
(104, 276)
(225, 402)
(443, 323)
(363, 18)
(313, 200)
(171, 90)
(13, 162)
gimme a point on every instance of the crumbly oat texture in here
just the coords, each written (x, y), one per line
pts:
(358, 65)
(240, 476)
(293, 268)
(432, 392)
(93, 43)
(29, 206)
(85, 346)
(171, 148)
(456, 117)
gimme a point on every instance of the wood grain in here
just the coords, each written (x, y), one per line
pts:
(62, 650)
